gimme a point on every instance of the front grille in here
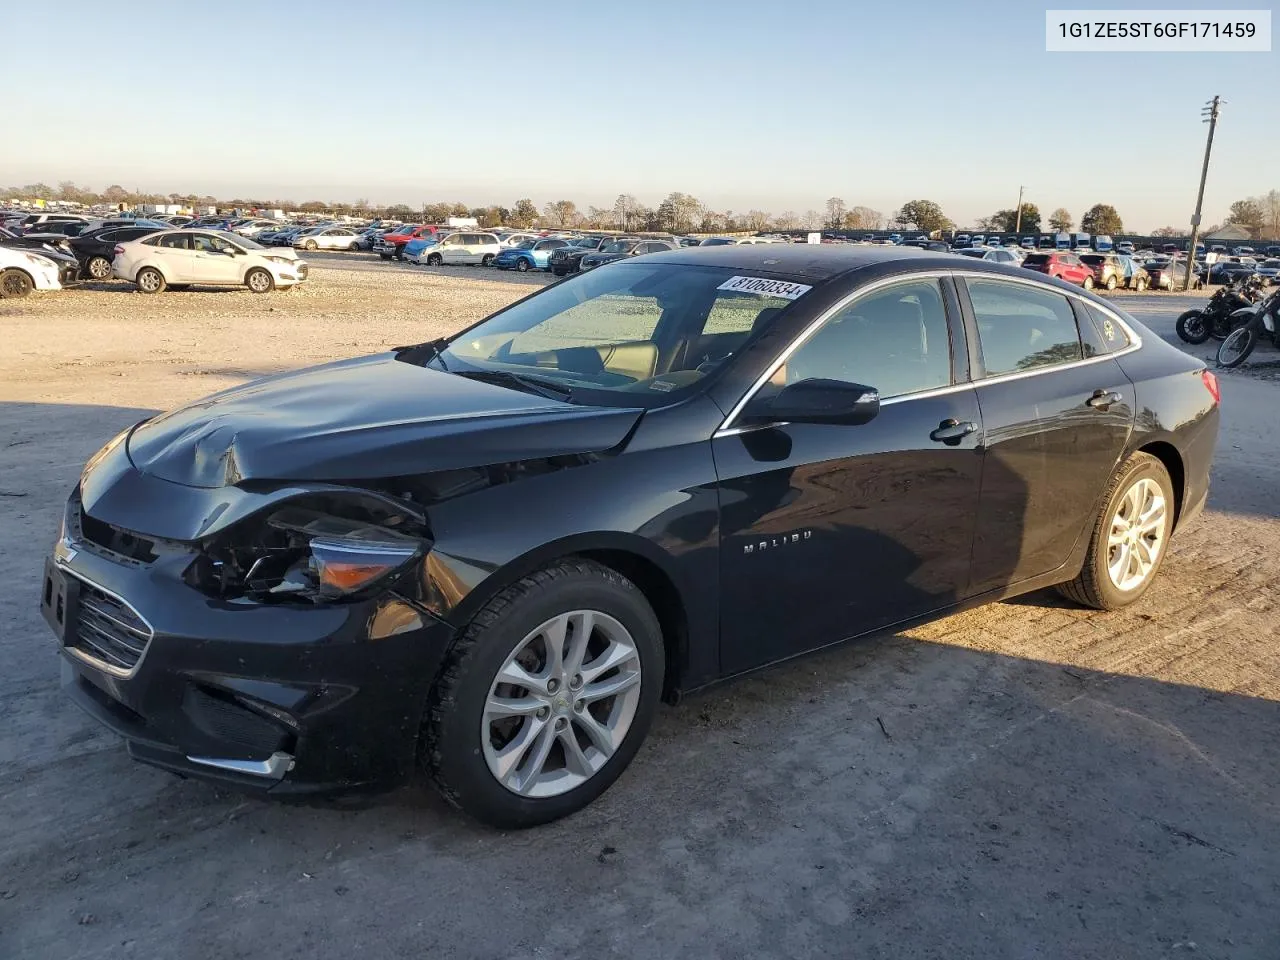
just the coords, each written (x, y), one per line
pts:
(109, 630)
(116, 540)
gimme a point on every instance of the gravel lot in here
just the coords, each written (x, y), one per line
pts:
(1027, 780)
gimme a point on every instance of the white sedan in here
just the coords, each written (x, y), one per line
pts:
(476, 248)
(22, 271)
(328, 238)
(212, 257)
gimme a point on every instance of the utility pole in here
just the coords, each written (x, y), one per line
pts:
(1210, 114)
(1018, 224)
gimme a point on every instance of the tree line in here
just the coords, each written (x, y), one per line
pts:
(679, 213)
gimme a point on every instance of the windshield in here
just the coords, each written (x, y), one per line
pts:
(632, 334)
(247, 243)
(619, 246)
(715, 242)
(524, 245)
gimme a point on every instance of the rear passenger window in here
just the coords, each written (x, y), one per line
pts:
(895, 340)
(1022, 328)
(1107, 334)
(180, 241)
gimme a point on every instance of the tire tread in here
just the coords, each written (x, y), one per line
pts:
(443, 699)
(1086, 588)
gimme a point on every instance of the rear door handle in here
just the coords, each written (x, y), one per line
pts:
(951, 431)
(1102, 399)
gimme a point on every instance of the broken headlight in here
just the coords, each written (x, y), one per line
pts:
(306, 554)
(343, 557)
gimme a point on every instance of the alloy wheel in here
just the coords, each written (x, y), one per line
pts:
(561, 704)
(1136, 535)
(99, 268)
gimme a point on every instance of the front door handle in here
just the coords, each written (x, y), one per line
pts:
(1102, 399)
(951, 431)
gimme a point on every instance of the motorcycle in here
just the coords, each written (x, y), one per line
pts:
(1251, 324)
(1197, 326)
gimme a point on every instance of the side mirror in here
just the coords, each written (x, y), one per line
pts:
(816, 401)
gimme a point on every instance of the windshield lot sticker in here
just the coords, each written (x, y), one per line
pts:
(664, 386)
(766, 287)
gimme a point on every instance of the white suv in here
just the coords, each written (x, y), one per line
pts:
(478, 248)
(206, 257)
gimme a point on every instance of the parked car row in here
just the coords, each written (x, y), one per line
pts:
(152, 258)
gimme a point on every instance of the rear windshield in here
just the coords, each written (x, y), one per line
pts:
(1035, 259)
(1092, 258)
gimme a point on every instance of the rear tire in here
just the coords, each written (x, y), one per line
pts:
(98, 268)
(1140, 285)
(1192, 327)
(354, 248)
(1095, 586)
(259, 280)
(522, 265)
(461, 739)
(1235, 350)
(486, 260)
(1088, 283)
(15, 284)
(1111, 282)
(150, 280)
(309, 245)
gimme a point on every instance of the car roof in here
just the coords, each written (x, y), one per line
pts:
(809, 260)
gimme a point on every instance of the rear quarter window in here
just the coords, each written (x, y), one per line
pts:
(1103, 334)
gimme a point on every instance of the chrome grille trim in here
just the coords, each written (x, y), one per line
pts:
(109, 633)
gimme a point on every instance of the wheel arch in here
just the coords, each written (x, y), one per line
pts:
(30, 278)
(1171, 458)
(634, 557)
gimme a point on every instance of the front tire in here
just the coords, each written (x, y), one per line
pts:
(546, 696)
(98, 268)
(486, 260)
(1141, 285)
(1235, 350)
(150, 280)
(309, 245)
(434, 260)
(259, 280)
(1192, 327)
(15, 284)
(354, 248)
(1130, 537)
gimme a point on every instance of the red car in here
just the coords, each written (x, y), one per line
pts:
(1064, 266)
(392, 244)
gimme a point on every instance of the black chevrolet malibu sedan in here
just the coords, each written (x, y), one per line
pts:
(488, 557)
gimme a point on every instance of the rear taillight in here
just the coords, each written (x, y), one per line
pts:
(117, 251)
(1211, 384)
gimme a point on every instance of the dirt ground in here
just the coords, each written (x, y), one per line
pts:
(1026, 780)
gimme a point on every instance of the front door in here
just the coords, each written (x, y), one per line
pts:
(452, 250)
(829, 531)
(213, 260)
(1057, 416)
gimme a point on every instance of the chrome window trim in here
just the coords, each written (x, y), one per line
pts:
(727, 429)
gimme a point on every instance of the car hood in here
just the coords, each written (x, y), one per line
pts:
(367, 418)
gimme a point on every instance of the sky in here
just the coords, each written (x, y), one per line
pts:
(766, 105)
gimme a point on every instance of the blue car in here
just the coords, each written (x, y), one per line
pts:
(528, 255)
(417, 246)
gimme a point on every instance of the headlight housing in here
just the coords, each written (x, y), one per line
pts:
(317, 552)
(40, 261)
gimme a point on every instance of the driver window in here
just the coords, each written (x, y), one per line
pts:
(203, 243)
(895, 340)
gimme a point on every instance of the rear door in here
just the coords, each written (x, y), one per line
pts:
(828, 531)
(1056, 414)
(174, 257)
